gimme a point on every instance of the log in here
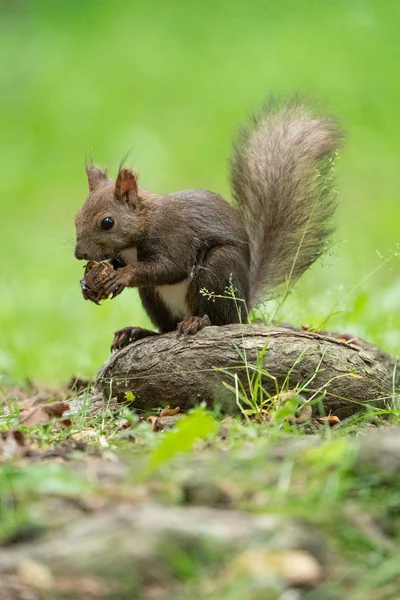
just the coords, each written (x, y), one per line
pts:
(185, 370)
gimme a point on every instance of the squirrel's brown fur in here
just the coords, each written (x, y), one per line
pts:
(175, 246)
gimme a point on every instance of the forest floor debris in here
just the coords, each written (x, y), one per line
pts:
(106, 504)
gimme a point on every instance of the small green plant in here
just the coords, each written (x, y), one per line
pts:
(256, 402)
(230, 294)
(198, 425)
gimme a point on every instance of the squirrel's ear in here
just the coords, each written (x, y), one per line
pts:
(126, 185)
(96, 177)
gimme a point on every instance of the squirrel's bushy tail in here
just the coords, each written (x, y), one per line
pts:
(281, 177)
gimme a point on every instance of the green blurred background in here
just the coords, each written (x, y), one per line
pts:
(169, 80)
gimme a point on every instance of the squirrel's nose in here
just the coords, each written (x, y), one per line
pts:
(80, 255)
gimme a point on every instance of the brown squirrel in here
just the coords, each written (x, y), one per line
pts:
(174, 246)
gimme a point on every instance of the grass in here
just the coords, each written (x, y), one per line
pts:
(325, 482)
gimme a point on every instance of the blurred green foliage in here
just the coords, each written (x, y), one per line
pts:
(169, 81)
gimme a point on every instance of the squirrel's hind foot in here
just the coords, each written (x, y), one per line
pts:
(192, 325)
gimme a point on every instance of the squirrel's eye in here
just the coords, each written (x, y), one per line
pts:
(107, 223)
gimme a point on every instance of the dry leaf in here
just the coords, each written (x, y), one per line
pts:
(169, 412)
(43, 413)
(331, 420)
(161, 423)
(153, 420)
(348, 338)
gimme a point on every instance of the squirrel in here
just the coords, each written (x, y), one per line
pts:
(183, 249)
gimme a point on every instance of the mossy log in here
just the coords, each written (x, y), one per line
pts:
(185, 370)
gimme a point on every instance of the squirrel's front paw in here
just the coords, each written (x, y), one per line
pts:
(125, 336)
(88, 293)
(115, 283)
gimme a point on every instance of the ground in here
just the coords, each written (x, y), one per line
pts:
(104, 505)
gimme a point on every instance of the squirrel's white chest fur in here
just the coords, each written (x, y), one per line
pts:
(173, 296)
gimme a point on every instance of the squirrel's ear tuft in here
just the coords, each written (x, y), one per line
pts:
(126, 185)
(96, 177)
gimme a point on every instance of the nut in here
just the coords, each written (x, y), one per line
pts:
(95, 275)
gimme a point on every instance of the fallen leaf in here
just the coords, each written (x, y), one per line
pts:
(331, 420)
(43, 413)
(169, 412)
(153, 420)
(348, 338)
(162, 423)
